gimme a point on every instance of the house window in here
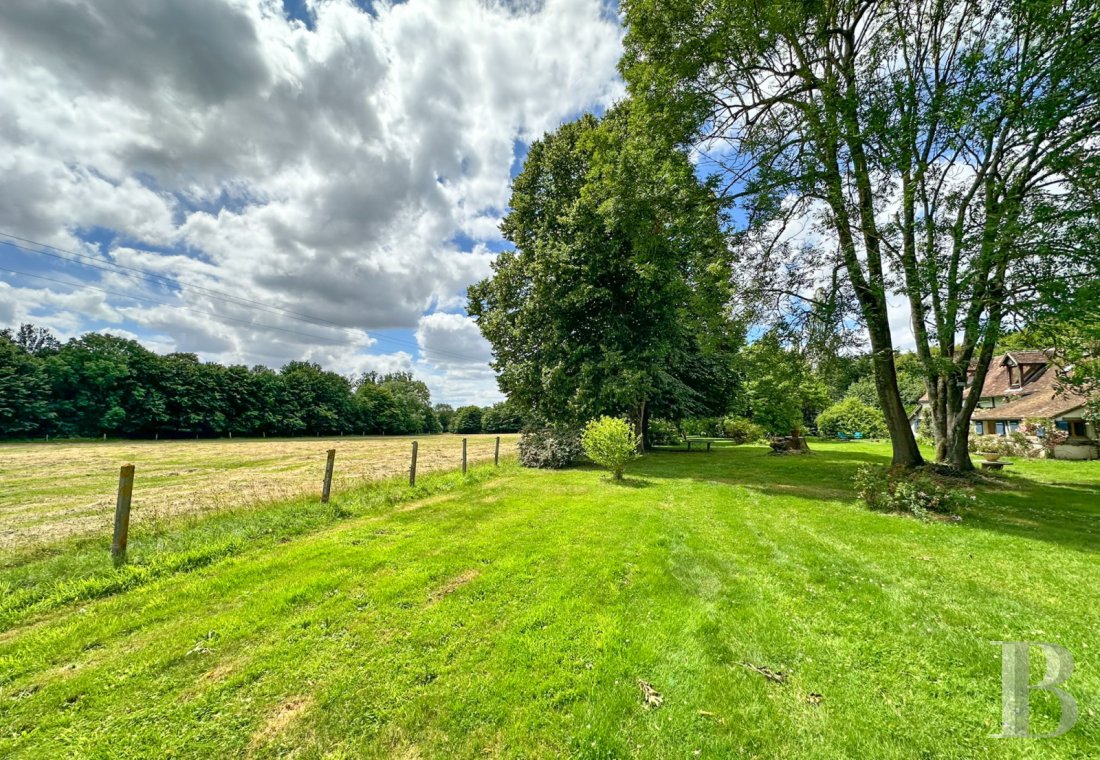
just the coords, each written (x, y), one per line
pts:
(1000, 428)
(1077, 429)
(1013, 426)
(1014, 376)
(979, 428)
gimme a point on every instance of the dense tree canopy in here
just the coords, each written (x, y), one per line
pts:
(781, 391)
(102, 384)
(945, 148)
(615, 298)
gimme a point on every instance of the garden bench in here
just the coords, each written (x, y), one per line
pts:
(707, 441)
(993, 465)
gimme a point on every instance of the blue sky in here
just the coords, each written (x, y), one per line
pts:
(322, 182)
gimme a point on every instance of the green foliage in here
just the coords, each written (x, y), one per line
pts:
(916, 492)
(710, 427)
(910, 385)
(550, 448)
(832, 114)
(467, 420)
(97, 384)
(504, 417)
(663, 433)
(740, 430)
(852, 416)
(611, 443)
(444, 413)
(781, 391)
(24, 391)
(1046, 431)
(1014, 444)
(599, 310)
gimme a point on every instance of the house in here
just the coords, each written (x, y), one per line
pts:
(1022, 385)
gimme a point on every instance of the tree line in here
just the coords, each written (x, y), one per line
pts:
(99, 384)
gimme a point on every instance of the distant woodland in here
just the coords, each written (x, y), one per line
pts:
(99, 384)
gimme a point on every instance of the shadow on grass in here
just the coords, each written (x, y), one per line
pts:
(628, 482)
(1063, 512)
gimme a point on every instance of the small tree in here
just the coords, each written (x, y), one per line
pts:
(611, 443)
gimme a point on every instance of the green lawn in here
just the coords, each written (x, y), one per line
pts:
(515, 614)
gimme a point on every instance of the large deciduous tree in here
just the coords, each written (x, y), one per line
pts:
(946, 147)
(615, 299)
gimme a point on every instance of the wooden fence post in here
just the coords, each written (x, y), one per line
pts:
(496, 454)
(326, 489)
(463, 456)
(122, 512)
(412, 467)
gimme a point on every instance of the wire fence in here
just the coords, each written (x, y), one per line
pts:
(60, 490)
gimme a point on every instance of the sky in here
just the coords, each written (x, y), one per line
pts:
(257, 181)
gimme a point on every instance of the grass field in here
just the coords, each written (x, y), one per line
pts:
(518, 613)
(68, 489)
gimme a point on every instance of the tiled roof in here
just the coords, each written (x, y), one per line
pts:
(997, 382)
(1029, 357)
(1042, 399)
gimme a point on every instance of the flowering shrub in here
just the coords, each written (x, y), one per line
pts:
(895, 489)
(1014, 444)
(610, 442)
(1047, 432)
(549, 448)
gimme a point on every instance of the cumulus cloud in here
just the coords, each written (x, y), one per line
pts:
(455, 356)
(351, 166)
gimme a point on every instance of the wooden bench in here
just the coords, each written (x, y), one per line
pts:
(707, 441)
(987, 465)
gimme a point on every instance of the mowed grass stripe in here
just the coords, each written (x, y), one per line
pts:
(516, 617)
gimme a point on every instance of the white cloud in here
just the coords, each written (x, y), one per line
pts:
(323, 170)
(454, 359)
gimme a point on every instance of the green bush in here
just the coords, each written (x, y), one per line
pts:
(916, 492)
(549, 448)
(610, 442)
(851, 416)
(741, 430)
(710, 427)
(663, 433)
(467, 420)
(504, 417)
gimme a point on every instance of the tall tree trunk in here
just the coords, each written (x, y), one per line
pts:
(906, 453)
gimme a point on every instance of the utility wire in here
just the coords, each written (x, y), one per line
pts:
(96, 263)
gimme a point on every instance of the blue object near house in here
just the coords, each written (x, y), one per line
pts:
(857, 436)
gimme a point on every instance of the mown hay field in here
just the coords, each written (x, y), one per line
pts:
(51, 491)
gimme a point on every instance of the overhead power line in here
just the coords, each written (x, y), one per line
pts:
(137, 273)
